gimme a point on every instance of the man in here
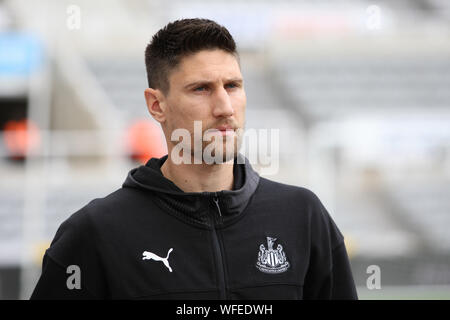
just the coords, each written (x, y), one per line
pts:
(183, 227)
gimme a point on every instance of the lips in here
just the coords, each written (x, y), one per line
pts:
(224, 128)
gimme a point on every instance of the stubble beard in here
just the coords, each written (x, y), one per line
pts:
(222, 153)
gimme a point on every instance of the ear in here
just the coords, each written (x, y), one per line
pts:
(155, 104)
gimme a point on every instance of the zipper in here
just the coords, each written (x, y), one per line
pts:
(219, 251)
(216, 201)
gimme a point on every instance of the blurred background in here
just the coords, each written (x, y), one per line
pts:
(359, 91)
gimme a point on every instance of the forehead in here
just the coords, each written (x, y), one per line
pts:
(206, 65)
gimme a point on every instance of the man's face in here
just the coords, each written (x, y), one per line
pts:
(207, 87)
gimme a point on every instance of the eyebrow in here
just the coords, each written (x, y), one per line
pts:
(205, 82)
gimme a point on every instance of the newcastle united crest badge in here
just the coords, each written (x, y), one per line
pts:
(272, 260)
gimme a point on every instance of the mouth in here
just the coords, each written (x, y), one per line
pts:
(225, 130)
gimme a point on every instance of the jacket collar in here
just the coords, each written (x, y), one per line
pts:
(196, 207)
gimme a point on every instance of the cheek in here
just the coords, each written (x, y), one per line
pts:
(184, 113)
(239, 98)
(190, 108)
(239, 104)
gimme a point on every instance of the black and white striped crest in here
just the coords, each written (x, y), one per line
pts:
(272, 260)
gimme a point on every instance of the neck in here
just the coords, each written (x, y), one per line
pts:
(199, 177)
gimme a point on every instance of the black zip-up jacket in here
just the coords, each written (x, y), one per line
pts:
(151, 240)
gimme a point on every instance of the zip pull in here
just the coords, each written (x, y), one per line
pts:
(216, 201)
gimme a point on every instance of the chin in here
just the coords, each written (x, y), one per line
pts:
(222, 156)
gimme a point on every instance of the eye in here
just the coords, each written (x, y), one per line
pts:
(232, 85)
(200, 89)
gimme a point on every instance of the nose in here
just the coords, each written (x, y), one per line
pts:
(222, 104)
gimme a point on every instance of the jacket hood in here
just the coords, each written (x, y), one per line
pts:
(196, 207)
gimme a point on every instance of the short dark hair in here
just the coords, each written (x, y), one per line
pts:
(179, 39)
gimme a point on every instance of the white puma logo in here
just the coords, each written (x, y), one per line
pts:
(149, 256)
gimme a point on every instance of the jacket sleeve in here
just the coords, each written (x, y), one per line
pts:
(74, 245)
(329, 274)
(343, 285)
(52, 284)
